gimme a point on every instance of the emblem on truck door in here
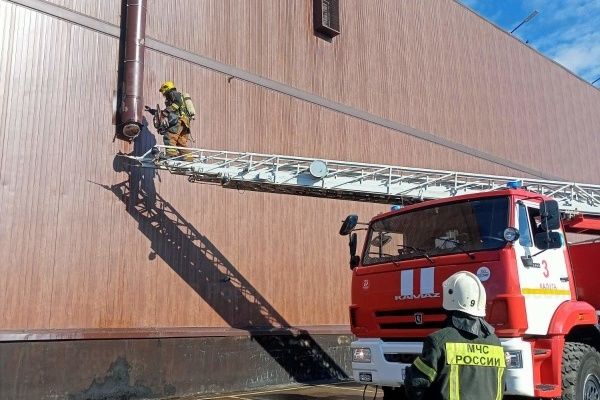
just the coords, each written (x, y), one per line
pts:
(483, 273)
(419, 318)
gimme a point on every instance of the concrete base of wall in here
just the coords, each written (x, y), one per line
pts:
(159, 367)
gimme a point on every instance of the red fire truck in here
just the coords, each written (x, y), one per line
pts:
(540, 268)
(541, 284)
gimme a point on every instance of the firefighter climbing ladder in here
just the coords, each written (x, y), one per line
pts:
(352, 181)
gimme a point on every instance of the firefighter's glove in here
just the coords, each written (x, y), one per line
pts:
(150, 110)
(416, 384)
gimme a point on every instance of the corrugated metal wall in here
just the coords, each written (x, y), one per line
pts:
(431, 65)
(74, 256)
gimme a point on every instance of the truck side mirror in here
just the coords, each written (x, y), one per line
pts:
(354, 259)
(548, 240)
(550, 215)
(352, 244)
(349, 224)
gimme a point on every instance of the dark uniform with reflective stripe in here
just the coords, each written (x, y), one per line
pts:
(462, 361)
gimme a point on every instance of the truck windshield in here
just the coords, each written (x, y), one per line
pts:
(467, 226)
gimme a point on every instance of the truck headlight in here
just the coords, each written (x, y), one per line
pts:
(361, 355)
(514, 359)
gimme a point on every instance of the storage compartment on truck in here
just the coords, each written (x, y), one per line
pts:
(585, 261)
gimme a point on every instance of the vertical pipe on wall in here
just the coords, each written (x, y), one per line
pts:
(133, 67)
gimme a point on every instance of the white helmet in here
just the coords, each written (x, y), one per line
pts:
(464, 292)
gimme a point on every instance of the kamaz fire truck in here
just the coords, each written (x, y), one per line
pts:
(536, 251)
(543, 292)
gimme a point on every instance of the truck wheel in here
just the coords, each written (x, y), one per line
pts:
(394, 393)
(580, 372)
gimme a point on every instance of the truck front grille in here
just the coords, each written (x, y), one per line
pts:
(400, 358)
(402, 319)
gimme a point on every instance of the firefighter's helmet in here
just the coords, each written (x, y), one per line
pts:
(464, 292)
(168, 85)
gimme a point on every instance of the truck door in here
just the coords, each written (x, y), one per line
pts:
(545, 282)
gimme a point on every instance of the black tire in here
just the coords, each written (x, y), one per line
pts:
(580, 372)
(394, 393)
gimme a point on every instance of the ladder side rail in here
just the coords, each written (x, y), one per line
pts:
(428, 182)
(381, 166)
(364, 179)
(429, 172)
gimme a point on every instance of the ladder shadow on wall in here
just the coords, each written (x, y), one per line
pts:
(205, 269)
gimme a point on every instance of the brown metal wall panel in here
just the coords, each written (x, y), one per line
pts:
(431, 65)
(106, 10)
(77, 253)
(29, 226)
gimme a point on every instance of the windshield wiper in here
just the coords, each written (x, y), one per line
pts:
(423, 252)
(460, 247)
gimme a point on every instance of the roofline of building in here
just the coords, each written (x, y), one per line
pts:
(524, 44)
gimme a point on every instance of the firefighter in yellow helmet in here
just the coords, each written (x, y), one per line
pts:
(464, 360)
(176, 117)
(181, 103)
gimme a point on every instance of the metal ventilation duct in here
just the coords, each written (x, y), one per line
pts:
(133, 67)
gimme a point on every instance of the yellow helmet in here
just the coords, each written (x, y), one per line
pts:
(168, 85)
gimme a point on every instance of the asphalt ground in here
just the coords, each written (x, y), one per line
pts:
(335, 391)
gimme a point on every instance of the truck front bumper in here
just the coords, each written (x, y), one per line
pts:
(380, 371)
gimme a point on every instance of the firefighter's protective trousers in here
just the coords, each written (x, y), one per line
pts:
(176, 139)
(463, 361)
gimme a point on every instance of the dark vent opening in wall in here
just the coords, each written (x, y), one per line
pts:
(326, 15)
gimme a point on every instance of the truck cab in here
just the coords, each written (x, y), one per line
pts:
(540, 296)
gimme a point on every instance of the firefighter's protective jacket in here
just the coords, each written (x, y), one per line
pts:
(461, 361)
(173, 97)
(175, 101)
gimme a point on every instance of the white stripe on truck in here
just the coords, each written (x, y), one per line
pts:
(427, 279)
(406, 282)
(426, 283)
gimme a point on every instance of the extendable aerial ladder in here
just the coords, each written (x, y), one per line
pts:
(353, 181)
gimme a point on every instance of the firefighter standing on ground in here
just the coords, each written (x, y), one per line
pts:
(174, 120)
(465, 359)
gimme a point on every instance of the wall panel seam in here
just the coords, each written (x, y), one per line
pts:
(151, 333)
